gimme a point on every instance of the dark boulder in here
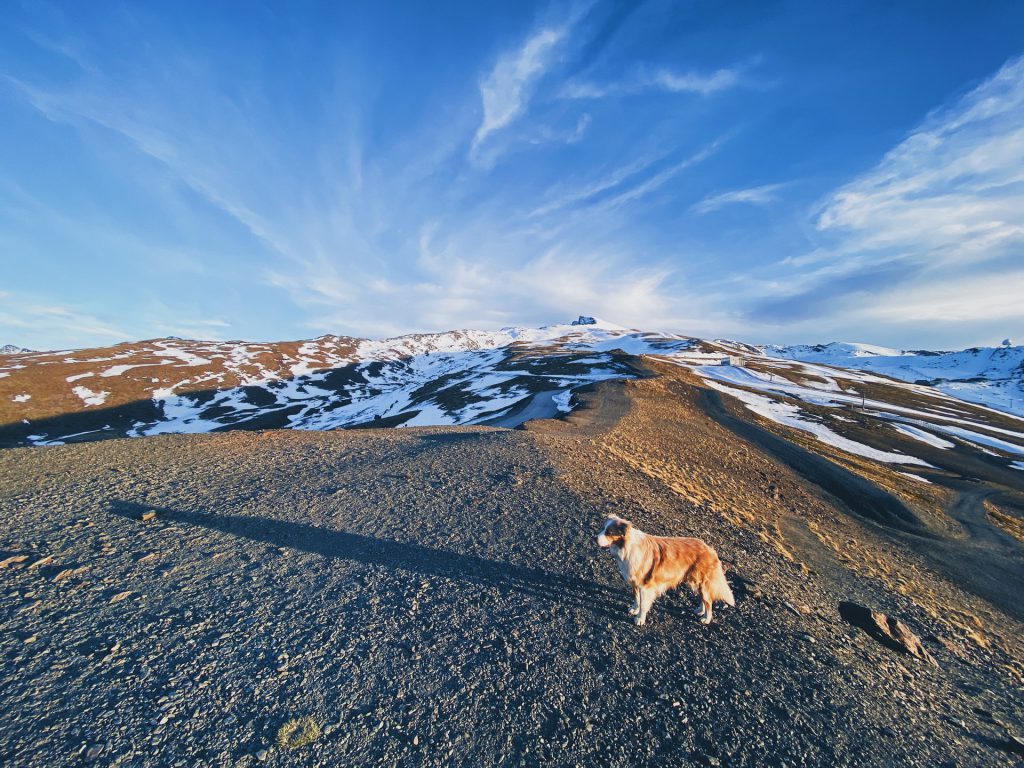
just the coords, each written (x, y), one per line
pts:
(890, 632)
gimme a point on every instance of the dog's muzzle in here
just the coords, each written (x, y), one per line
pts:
(603, 541)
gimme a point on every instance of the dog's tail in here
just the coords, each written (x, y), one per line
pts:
(718, 587)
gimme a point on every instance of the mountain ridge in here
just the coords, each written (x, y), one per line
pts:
(498, 377)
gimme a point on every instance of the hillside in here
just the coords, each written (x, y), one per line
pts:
(499, 378)
(992, 376)
(173, 385)
(434, 596)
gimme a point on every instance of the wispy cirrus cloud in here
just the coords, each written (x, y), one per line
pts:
(506, 90)
(762, 195)
(36, 322)
(929, 236)
(562, 197)
(954, 188)
(661, 79)
(657, 180)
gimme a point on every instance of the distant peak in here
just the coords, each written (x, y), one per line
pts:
(597, 323)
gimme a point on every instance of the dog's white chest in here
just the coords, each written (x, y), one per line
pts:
(623, 565)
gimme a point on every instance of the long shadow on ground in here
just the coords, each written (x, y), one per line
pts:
(530, 581)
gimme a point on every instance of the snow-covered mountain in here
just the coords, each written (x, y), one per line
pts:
(506, 377)
(992, 376)
(171, 385)
(11, 349)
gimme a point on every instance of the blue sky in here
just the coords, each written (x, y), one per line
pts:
(767, 171)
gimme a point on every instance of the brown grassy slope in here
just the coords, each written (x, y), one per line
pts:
(44, 375)
(667, 440)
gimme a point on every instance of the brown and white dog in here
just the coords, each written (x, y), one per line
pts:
(652, 565)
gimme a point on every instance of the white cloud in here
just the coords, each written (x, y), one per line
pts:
(658, 179)
(644, 79)
(953, 189)
(691, 82)
(507, 89)
(927, 241)
(966, 298)
(762, 195)
(35, 323)
(562, 198)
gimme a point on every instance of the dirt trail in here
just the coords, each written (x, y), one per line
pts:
(429, 597)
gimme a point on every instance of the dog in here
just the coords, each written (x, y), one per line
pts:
(652, 565)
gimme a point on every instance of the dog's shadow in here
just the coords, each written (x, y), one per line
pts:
(559, 588)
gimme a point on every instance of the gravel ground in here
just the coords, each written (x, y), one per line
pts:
(427, 597)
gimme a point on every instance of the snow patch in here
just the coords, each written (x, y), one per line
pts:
(790, 416)
(117, 370)
(89, 397)
(922, 435)
(562, 400)
(976, 437)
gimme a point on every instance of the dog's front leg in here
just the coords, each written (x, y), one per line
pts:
(635, 610)
(646, 598)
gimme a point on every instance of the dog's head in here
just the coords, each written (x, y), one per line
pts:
(614, 533)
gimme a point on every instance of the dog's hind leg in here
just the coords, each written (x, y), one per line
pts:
(635, 610)
(705, 600)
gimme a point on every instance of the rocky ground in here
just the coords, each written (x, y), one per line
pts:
(435, 597)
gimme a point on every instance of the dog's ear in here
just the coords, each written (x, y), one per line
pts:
(619, 527)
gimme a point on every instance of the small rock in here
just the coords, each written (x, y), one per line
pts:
(147, 516)
(67, 573)
(94, 751)
(121, 596)
(261, 755)
(42, 561)
(886, 630)
(13, 560)
(807, 638)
